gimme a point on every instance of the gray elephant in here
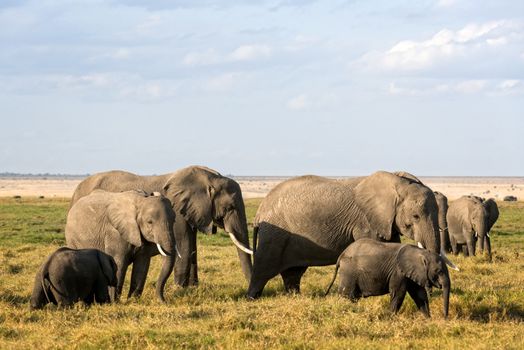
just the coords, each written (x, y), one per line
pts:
(70, 275)
(442, 203)
(369, 268)
(200, 197)
(467, 222)
(130, 226)
(310, 220)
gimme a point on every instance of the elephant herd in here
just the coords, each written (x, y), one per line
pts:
(117, 219)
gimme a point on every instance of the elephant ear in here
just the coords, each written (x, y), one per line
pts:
(378, 198)
(122, 214)
(493, 211)
(191, 194)
(108, 267)
(413, 264)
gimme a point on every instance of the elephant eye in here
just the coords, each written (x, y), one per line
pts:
(149, 221)
(416, 217)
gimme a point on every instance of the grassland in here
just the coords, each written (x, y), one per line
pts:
(486, 311)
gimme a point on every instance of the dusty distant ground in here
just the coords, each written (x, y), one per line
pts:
(253, 187)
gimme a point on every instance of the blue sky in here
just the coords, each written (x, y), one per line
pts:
(272, 87)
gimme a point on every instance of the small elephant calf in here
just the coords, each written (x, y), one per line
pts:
(369, 268)
(71, 275)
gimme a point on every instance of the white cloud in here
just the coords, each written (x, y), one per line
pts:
(223, 82)
(445, 45)
(202, 58)
(242, 53)
(466, 87)
(250, 52)
(298, 102)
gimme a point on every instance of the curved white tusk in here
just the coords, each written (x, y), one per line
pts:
(447, 261)
(420, 245)
(240, 245)
(487, 234)
(160, 250)
(177, 252)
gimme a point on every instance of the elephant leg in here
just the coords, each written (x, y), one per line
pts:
(291, 278)
(89, 299)
(264, 269)
(470, 242)
(193, 271)
(101, 292)
(185, 237)
(454, 245)
(419, 295)
(397, 292)
(139, 274)
(120, 276)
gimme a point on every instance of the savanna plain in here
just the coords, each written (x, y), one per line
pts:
(486, 306)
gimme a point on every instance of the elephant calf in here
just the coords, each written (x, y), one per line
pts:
(71, 275)
(369, 268)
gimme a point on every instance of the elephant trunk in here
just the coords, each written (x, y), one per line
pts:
(446, 287)
(167, 267)
(235, 224)
(428, 235)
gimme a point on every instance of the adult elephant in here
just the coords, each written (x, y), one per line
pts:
(200, 197)
(310, 220)
(442, 204)
(129, 226)
(467, 222)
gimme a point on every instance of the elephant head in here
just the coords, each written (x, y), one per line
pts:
(138, 216)
(442, 203)
(205, 198)
(425, 268)
(400, 205)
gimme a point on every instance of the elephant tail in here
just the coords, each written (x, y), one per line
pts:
(255, 238)
(333, 280)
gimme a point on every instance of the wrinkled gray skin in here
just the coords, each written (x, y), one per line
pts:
(70, 275)
(310, 220)
(468, 221)
(128, 226)
(369, 268)
(442, 203)
(200, 197)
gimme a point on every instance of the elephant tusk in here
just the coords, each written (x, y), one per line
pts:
(160, 250)
(447, 261)
(487, 234)
(442, 229)
(240, 245)
(420, 245)
(177, 252)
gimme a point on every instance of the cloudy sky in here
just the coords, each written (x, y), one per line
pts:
(269, 87)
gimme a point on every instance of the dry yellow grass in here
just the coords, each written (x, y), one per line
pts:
(486, 311)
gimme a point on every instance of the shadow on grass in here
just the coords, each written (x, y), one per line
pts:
(484, 313)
